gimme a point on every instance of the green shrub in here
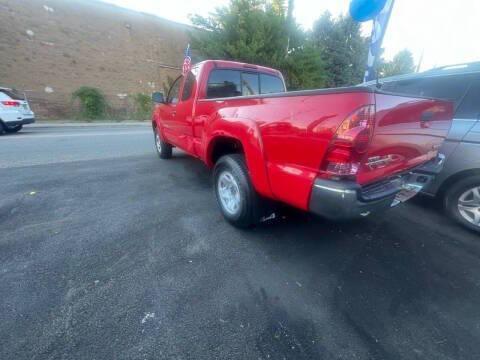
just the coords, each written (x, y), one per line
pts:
(92, 102)
(142, 106)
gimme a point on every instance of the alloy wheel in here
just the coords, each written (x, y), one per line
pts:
(469, 205)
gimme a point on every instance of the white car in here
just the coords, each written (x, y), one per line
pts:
(14, 111)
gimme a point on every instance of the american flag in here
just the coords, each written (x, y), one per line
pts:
(187, 61)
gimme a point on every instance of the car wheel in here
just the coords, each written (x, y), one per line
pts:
(14, 129)
(462, 202)
(235, 194)
(164, 150)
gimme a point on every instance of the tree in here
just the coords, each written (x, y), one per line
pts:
(343, 47)
(402, 63)
(304, 68)
(262, 32)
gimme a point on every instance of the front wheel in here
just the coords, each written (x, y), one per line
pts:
(164, 150)
(236, 197)
(13, 129)
(462, 202)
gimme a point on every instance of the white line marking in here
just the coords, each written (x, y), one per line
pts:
(43, 136)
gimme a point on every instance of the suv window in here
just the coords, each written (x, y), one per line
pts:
(470, 106)
(445, 87)
(271, 84)
(224, 83)
(13, 94)
(188, 87)
(172, 97)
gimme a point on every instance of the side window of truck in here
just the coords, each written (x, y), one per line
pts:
(224, 83)
(271, 84)
(172, 97)
(470, 106)
(188, 87)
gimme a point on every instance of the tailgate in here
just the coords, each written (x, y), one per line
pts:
(408, 132)
(25, 108)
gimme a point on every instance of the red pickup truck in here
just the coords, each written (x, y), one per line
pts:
(340, 153)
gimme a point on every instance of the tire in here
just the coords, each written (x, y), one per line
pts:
(462, 202)
(164, 150)
(12, 130)
(231, 181)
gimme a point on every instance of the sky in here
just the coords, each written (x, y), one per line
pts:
(445, 32)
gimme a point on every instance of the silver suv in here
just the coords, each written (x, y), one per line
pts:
(458, 185)
(14, 111)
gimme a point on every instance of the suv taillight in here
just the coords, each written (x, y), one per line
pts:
(11, 103)
(349, 143)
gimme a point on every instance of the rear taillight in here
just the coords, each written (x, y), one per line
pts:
(349, 143)
(11, 103)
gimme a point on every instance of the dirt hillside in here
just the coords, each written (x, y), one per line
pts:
(50, 48)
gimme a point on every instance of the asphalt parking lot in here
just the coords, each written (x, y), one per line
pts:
(107, 252)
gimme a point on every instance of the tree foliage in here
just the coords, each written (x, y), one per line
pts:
(260, 32)
(92, 102)
(142, 104)
(344, 48)
(264, 32)
(402, 63)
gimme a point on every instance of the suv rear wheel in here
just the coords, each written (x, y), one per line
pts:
(462, 202)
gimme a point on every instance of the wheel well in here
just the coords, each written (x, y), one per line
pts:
(223, 146)
(456, 177)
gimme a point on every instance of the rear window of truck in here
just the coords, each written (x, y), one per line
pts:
(224, 83)
(270, 84)
(230, 83)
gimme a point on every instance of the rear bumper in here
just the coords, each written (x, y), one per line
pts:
(343, 200)
(19, 122)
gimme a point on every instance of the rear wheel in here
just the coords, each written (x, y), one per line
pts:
(236, 196)
(13, 129)
(462, 202)
(164, 150)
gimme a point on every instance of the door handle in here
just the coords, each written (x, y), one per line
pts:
(174, 113)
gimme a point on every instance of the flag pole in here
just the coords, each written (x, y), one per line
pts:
(380, 24)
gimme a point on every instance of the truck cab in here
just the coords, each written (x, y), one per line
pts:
(224, 80)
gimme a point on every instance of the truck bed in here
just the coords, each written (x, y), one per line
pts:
(296, 129)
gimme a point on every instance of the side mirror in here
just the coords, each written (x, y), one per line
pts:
(157, 98)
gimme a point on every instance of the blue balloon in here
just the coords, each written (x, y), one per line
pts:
(364, 10)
